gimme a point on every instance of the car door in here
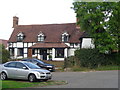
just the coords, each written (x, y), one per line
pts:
(22, 71)
(10, 69)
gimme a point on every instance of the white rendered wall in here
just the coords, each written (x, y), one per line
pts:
(14, 44)
(20, 44)
(25, 44)
(29, 44)
(87, 43)
(71, 52)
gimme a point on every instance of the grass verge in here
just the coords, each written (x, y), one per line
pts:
(25, 84)
(101, 68)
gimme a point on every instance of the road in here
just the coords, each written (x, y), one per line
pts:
(98, 79)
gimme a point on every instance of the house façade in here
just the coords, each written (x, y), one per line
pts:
(47, 41)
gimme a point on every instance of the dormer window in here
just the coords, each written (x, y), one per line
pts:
(41, 37)
(20, 37)
(65, 37)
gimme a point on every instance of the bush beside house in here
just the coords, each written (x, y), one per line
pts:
(92, 58)
(4, 54)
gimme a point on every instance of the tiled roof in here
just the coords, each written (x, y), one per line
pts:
(4, 42)
(49, 45)
(52, 32)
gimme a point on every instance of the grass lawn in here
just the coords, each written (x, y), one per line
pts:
(101, 68)
(26, 84)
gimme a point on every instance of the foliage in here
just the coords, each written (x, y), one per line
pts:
(90, 58)
(71, 61)
(101, 20)
(4, 54)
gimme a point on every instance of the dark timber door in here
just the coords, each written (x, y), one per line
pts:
(44, 53)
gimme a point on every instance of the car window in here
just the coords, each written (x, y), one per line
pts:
(20, 65)
(34, 61)
(32, 66)
(11, 64)
(39, 61)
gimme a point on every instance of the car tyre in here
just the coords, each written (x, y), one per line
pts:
(3, 76)
(32, 78)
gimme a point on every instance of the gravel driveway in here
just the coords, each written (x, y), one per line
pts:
(98, 79)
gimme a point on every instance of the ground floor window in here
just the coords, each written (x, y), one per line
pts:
(20, 51)
(59, 53)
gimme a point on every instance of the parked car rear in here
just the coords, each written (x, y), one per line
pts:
(24, 70)
(41, 64)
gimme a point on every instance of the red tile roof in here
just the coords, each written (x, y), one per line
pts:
(4, 42)
(49, 45)
(52, 32)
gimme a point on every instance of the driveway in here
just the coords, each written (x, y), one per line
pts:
(98, 79)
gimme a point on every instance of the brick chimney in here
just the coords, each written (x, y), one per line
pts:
(15, 21)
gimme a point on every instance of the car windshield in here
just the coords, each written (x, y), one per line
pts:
(39, 61)
(32, 66)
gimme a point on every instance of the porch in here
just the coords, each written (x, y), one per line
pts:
(49, 51)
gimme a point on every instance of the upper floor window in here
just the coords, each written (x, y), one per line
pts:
(20, 36)
(65, 37)
(41, 37)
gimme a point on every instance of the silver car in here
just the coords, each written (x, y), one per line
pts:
(23, 70)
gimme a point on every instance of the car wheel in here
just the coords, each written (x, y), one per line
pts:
(32, 78)
(3, 76)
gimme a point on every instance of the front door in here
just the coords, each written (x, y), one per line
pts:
(44, 53)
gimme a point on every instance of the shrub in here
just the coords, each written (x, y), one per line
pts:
(90, 58)
(71, 61)
(4, 54)
(113, 59)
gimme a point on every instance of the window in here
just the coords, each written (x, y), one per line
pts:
(20, 37)
(59, 53)
(65, 37)
(12, 64)
(20, 65)
(20, 51)
(41, 37)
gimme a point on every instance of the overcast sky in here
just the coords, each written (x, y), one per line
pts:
(34, 12)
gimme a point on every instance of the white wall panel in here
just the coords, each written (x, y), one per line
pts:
(19, 44)
(71, 52)
(14, 45)
(25, 44)
(87, 43)
(29, 44)
(25, 50)
(25, 55)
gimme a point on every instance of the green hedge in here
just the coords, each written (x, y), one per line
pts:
(92, 58)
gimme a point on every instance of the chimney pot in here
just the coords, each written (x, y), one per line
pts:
(15, 21)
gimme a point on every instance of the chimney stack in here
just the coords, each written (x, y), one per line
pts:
(15, 21)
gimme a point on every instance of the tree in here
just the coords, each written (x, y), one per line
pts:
(101, 20)
(4, 54)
